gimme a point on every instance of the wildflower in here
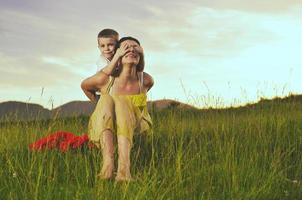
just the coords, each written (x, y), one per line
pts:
(61, 140)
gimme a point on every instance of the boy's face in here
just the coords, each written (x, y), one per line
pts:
(107, 47)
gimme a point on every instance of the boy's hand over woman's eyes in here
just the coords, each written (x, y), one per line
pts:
(122, 50)
(139, 49)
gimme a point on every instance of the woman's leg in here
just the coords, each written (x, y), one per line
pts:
(104, 129)
(124, 148)
(125, 123)
(108, 155)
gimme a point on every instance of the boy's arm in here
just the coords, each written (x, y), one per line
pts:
(109, 69)
(148, 81)
(90, 94)
(94, 83)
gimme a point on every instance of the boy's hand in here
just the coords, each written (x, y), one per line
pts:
(139, 50)
(122, 50)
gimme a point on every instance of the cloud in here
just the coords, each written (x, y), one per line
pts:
(65, 29)
(53, 44)
(268, 6)
(28, 34)
(29, 72)
(203, 32)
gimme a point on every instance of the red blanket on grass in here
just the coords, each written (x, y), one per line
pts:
(61, 140)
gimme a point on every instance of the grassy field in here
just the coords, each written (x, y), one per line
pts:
(247, 153)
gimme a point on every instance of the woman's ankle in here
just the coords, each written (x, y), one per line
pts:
(106, 171)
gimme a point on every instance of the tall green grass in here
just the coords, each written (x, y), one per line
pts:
(245, 153)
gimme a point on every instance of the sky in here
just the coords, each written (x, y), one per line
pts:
(205, 53)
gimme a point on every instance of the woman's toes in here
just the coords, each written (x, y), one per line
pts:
(106, 172)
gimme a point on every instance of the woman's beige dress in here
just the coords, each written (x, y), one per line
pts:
(122, 114)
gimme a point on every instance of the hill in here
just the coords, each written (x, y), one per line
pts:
(13, 110)
(21, 111)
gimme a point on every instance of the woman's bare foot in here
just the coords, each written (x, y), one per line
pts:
(106, 172)
(123, 173)
(120, 178)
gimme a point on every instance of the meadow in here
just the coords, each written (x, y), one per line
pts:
(252, 152)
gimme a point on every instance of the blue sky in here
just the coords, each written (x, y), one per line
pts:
(206, 53)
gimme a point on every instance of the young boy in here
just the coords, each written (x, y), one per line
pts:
(107, 40)
(107, 65)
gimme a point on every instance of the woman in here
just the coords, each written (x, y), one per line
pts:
(122, 108)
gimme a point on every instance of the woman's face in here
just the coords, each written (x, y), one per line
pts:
(132, 57)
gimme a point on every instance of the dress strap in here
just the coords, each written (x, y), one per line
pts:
(141, 81)
(111, 81)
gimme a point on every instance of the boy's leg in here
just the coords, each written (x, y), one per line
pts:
(123, 171)
(108, 155)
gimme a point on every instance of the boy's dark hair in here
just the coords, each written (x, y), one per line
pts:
(105, 33)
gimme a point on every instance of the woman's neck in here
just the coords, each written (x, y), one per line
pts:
(127, 74)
